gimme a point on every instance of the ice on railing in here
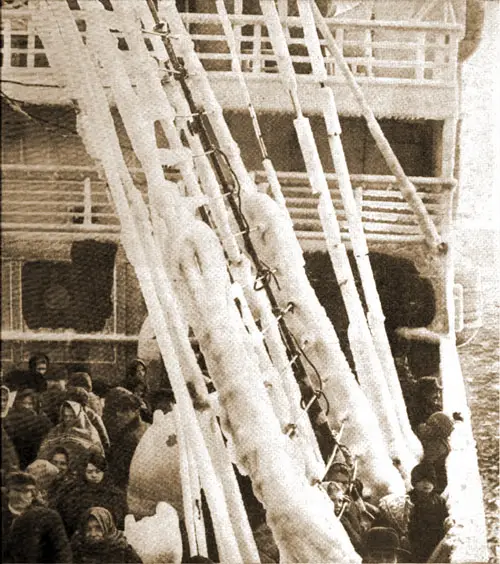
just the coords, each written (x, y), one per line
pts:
(404, 49)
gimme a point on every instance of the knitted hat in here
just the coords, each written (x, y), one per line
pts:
(19, 480)
(424, 471)
(44, 473)
(440, 425)
(381, 539)
(80, 380)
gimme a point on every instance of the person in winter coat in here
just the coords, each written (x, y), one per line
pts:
(74, 432)
(426, 526)
(435, 437)
(25, 427)
(137, 383)
(426, 400)
(83, 380)
(98, 541)
(91, 487)
(81, 396)
(10, 459)
(33, 378)
(52, 398)
(30, 532)
(126, 428)
(348, 513)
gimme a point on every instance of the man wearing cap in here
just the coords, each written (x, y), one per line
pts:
(30, 532)
(382, 545)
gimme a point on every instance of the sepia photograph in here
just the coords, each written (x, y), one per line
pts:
(250, 278)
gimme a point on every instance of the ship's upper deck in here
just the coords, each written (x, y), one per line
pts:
(403, 53)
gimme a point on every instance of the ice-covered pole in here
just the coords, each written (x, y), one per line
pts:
(357, 236)
(67, 53)
(368, 365)
(408, 190)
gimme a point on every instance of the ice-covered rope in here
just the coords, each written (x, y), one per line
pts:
(367, 363)
(407, 189)
(236, 67)
(67, 53)
(357, 236)
(191, 70)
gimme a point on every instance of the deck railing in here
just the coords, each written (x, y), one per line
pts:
(415, 52)
(75, 200)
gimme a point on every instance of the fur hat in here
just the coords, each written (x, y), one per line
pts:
(19, 480)
(80, 380)
(423, 471)
(381, 539)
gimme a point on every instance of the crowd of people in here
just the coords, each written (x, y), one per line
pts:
(66, 453)
(67, 449)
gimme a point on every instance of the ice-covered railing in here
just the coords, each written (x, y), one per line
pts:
(53, 198)
(418, 52)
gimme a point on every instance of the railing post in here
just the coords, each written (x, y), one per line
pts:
(7, 43)
(257, 48)
(420, 57)
(87, 202)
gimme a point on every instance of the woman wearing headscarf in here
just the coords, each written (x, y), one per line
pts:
(91, 487)
(98, 541)
(75, 432)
